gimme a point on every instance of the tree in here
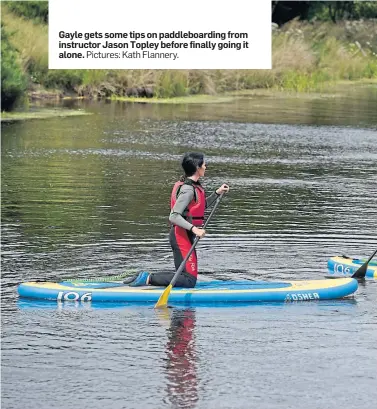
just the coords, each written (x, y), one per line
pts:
(284, 11)
(13, 81)
(339, 10)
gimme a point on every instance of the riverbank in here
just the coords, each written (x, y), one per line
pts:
(307, 56)
(327, 90)
(331, 91)
(189, 99)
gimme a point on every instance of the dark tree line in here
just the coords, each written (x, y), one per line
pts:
(284, 11)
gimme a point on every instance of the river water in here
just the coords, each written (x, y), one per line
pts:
(89, 196)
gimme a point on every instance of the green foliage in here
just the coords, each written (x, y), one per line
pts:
(64, 79)
(33, 10)
(370, 71)
(365, 10)
(171, 84)
(13, 81)
(285, 11)
(301, 82)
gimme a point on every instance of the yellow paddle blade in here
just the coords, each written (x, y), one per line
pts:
(163, 300)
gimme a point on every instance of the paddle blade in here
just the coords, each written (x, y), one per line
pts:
(164, 297)
(361, 272)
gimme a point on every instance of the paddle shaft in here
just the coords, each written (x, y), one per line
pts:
(182, 266)
(361, 272)
(370, 258)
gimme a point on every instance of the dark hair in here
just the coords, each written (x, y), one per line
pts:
(191, 161)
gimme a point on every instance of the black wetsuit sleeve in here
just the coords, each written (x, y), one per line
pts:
(185, 196)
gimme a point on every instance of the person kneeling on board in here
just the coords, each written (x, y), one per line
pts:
(188, 203)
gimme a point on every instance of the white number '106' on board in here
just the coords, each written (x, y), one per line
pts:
(340, 269)
(73, 296)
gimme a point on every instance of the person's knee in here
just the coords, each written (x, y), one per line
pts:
(191, 282)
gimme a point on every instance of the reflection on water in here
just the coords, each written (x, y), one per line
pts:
(87, 196)
(181, 371)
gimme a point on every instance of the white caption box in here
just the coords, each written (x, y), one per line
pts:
(160, 34)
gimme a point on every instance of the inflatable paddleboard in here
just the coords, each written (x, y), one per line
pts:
(205, 293)
(344, 266)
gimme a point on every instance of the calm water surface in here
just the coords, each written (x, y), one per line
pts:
(89, 196)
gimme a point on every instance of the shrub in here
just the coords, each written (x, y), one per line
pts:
(13, 81)
(34, 10)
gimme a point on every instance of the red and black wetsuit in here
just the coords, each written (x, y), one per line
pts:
(188, 203)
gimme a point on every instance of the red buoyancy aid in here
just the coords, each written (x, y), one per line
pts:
(195, 210)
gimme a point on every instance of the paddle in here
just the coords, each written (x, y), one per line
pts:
(361, 271)
(163, 300)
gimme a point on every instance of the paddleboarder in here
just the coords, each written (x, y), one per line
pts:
(188, 203)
